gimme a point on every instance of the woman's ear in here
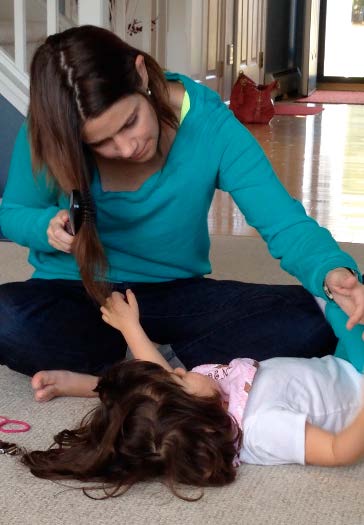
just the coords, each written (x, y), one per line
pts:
(142, 71)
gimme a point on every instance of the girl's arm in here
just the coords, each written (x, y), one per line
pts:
(331, 450)
(123, 314)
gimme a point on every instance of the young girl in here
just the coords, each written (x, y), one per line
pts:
(194, 427)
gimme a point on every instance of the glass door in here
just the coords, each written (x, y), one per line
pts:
(341, 41)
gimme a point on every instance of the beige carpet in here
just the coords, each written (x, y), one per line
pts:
(262, 495)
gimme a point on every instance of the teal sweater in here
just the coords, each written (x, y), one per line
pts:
(159, 232)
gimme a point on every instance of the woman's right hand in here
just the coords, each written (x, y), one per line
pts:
(57, 235)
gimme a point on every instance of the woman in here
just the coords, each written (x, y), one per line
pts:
(147, 151)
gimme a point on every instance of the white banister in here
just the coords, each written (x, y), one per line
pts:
(14, 79)
(52, 16)
(94, 12)
(20, 34)
(14, 85)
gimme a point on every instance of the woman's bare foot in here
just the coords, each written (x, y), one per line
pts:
(48, 384)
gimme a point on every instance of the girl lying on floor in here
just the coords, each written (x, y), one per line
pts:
(196, 427)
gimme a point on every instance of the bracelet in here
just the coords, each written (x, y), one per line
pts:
(327, 290)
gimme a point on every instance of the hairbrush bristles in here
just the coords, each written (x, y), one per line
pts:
(82, 209)
(88, 208)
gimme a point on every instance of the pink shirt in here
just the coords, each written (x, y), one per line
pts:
(235, 381)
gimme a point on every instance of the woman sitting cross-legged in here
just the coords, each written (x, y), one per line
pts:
(196, 427)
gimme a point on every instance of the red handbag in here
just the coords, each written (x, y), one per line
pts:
(251, 102)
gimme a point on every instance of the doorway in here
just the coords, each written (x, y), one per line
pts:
(341, 41)
(249, 41)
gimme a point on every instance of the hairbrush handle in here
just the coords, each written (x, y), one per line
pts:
(75, 213)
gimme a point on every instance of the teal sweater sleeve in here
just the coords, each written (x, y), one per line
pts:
(28, 203)
(304, 249)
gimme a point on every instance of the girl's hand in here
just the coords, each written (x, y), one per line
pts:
(348, 293)
(57, 235)
(121, 312)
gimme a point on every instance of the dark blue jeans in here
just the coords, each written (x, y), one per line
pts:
(52, 324)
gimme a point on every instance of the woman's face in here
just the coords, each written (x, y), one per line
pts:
(128, 130)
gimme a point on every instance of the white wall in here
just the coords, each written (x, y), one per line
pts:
(6, 10)
(185, 36)
(177, 37)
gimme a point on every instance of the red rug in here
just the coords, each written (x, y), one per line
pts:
(322, 96)
(298, 110)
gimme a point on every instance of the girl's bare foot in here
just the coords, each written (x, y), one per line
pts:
(48, 384)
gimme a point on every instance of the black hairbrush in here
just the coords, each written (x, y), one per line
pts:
(81, 209)
(75, 213)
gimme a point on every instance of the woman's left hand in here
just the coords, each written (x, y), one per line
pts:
(348, 293)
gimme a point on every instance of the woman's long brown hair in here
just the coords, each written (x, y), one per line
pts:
(76, 75)
(145, 427)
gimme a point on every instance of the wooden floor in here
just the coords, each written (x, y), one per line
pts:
(320, 160)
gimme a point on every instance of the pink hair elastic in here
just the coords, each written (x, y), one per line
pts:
(15, 424)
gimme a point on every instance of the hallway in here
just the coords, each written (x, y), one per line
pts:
(320, 161)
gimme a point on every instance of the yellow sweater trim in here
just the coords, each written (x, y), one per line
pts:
(185, 106)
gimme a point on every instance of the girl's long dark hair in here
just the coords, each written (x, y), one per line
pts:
(76, 75)
(146, 426)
